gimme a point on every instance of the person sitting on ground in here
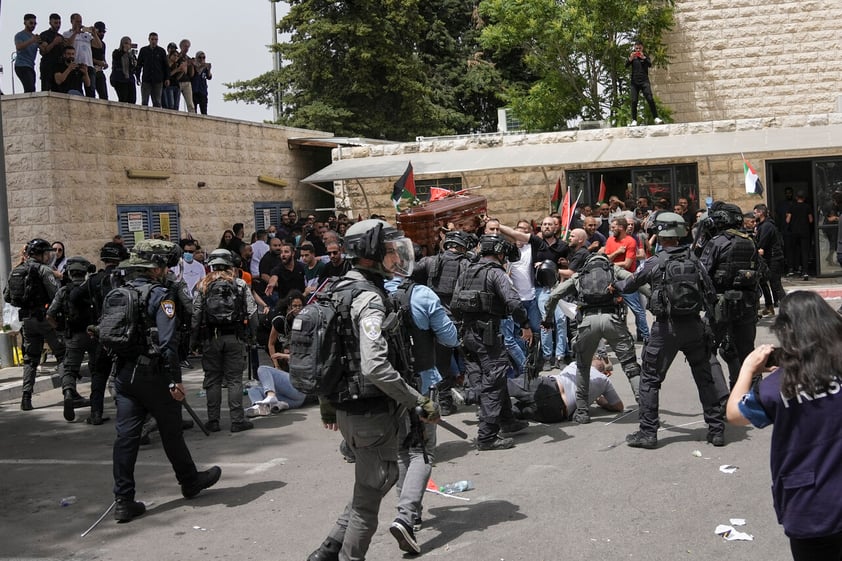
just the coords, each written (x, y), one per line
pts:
(552, 399)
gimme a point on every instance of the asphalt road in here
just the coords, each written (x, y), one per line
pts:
(564, 492)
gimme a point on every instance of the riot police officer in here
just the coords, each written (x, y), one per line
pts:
(72, 309)
(483, 297)
(370, 421)
(733, 264)
(148, 377)
(681, 289)
(440, 273)
(31, 287)
(222, 304)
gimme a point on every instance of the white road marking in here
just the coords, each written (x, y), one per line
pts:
(250, 468)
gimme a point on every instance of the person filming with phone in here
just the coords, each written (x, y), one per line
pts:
(640, 63)
(801, 398)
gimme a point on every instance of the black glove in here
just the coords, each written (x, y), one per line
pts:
(429, 409)
(547, 323)
(327, 411)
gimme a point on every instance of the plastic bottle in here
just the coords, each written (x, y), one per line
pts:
(202, 393)
(457, 487)
(67, 501)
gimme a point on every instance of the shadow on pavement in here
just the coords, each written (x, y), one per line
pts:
(454, 521)
(225, 496)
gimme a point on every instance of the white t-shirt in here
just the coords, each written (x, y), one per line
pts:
(522, 273)
(600, 385)
(191, 273)
(259, 249)
(82, 44)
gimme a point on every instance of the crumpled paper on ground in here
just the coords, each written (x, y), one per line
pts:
(730, 534)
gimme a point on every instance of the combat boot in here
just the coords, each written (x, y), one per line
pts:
(640, 440)
(497, 443)
(204, 479)
(26, 401)
(69, 413)
(127, 510)
(328, 551)
(581, 417)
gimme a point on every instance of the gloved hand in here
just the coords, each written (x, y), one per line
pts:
(547, 323)
(430, 410)
(328, 412)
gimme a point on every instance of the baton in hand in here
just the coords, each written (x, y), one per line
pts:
(192, 413)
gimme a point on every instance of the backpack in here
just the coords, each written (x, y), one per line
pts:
(26, 289)
(592, 282)
(680, 291)
(224, 304)
(321, 340)
(124, 327)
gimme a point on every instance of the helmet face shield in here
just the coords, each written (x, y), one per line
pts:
(400, 257)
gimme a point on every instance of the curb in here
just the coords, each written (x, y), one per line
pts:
(12, 391)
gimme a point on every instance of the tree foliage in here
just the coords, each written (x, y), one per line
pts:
(391, 69)
(576, 52)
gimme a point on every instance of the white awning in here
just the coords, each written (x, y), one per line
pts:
(637, 145)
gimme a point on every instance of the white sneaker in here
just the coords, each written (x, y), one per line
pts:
(658, 120)
(257, 410)
(633, 124)
(278, 406)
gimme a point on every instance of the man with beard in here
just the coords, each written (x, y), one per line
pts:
(288, 275)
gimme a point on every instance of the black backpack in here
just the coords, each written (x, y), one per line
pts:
(322, 344)
(680, 290)
(223, 303)
(26, 289)
(593, 280)
(124, 327)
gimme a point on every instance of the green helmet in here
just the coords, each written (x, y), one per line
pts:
(149, 254)
(220, 259)
(669, 225)
(78, 265)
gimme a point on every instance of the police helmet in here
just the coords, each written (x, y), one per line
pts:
(669, 225)
(112, 252)
(149, 254)
(457, 238)
(220, 259)
(78, 265)
(495, 244)
(379, 241)
(547, 274)
(725, 215)
(38, 246)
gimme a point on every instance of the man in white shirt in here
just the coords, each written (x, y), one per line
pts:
(82, 38)
(259, 249)
(189, 269)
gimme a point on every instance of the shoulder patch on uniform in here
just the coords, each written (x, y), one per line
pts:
(371, 327)
(168, 306)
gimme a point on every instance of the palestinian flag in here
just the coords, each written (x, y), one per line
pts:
(556, 200)
(753, 184)
(437, 193)
(404, 192)
(600, 198)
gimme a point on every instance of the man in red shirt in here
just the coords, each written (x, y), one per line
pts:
(621, 249)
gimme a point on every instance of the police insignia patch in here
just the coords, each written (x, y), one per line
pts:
(371, 327)
(168, 306)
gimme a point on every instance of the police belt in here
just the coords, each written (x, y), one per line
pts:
(492, 323)
(366, 405)
(221, 330)
(600, 310)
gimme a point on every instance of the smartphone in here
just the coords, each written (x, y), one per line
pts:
(774, 358)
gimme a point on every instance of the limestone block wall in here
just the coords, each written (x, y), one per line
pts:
(734, 59)
(66, 162)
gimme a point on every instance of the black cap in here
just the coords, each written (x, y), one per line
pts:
(100, 26)
(172, 46)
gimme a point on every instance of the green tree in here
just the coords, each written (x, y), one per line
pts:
(392, 69)
(576, 50)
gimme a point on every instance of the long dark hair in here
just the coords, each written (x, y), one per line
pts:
(809, 331)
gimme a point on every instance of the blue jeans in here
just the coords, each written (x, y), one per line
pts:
(533, 313)
(513, 345)
(274, 380)
(560, 328)
(633, 302)
(171, 97)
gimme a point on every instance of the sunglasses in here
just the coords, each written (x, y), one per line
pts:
(333, 253)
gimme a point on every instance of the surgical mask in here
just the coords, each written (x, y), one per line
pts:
(271, 235)
(188, 257)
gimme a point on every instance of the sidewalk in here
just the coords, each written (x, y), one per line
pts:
(48, 378)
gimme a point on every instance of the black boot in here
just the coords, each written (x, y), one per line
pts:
(328, 551)
(26, 402)
(69, 413)
(127, 510)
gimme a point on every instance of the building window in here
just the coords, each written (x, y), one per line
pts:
(669, 182)
(137, 222)
(422, 186)
(266, 214)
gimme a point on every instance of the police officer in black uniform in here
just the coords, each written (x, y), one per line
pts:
(440, 272)
(733, 264)
(676, 330)
(483, 297)
(36, 330)
(149, 380)
(72, 309)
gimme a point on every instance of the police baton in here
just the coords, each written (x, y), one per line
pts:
(192, 413)
(443, 424)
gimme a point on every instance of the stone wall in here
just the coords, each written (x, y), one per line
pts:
(67, 156)
(733, 59)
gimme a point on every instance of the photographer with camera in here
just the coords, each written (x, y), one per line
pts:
(68, 75)
(82, 39)
(123, 69)
(639, 83)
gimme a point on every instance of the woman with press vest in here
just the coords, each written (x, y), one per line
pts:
(801, 399)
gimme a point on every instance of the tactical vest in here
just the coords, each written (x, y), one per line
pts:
(738, 268)
(444, 273)
(423, 341)
(473, 299)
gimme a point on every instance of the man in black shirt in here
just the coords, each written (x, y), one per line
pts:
(51, 45)
(288, 275)
(100, 65)
(639, 83)
(267, 264)
(68, 76)
(337, 265)
(799, 217)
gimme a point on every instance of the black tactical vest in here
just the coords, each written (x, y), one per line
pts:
(737, 269)
(444, 273)
(474, 298)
